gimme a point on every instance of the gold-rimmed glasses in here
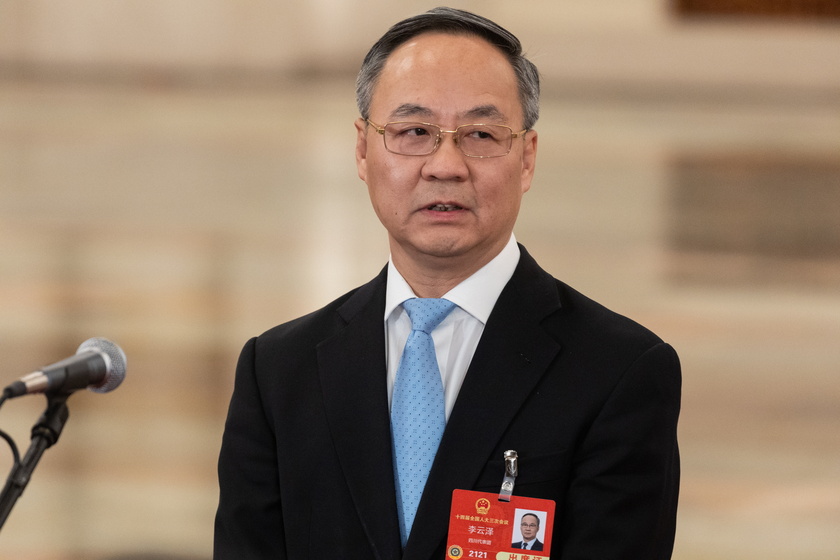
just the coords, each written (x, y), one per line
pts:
(422, 139)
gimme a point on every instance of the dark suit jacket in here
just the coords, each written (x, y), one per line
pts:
(538, 545)
(589, 400)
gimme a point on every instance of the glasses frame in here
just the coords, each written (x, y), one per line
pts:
(441, 132)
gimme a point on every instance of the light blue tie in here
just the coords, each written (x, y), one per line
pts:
(417, 413)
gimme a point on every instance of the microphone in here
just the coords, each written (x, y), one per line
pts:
(99, 365)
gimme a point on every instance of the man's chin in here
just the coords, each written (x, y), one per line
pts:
(444, 249)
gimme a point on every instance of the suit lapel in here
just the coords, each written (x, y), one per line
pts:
(512, 356)
(352, 370)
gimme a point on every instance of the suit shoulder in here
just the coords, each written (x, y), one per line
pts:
(319, 321)
(570, 313)
(593, 319)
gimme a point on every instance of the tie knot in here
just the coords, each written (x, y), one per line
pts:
(427, 313)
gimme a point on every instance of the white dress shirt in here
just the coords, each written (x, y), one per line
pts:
(457, 336)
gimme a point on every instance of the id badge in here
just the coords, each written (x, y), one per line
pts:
(483, 526)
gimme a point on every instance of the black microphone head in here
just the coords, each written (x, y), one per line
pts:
(115, 372)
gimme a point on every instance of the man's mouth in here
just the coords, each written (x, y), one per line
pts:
(444, 207)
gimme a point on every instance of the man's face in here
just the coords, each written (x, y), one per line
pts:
(446, 209)
(529, 527)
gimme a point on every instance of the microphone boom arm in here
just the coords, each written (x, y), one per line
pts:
(45, 434)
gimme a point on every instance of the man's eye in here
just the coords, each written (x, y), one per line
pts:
(480, 134)
(415, 131)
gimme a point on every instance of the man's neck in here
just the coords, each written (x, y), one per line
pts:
(432, 277)
(429, 283)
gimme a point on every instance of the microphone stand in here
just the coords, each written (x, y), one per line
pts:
(44, 434)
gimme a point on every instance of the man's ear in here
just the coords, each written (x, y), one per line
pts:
(529, 159)
(361, 148)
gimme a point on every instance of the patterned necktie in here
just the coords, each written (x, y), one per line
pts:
(417, 412)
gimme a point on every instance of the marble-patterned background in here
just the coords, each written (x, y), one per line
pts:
(179, 176)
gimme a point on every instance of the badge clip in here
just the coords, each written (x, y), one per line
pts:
(511, 472)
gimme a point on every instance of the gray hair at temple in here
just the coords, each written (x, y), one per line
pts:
(454, 22)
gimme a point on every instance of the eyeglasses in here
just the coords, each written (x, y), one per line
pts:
(422, 139)
(529, 525)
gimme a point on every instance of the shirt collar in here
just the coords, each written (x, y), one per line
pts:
(476, 295)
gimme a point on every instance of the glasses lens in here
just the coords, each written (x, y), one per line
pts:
(411, 139)
(484, 140)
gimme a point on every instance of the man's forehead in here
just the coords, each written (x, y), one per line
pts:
(447, 78)
(456, 51)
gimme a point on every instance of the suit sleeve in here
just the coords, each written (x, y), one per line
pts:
(249, 523)
(622, 499)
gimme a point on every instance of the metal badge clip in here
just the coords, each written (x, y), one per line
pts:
(511, 472)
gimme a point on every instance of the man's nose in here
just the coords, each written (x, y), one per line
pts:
(447, 162)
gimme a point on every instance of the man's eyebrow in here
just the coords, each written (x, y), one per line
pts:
(411, 110)
(488, 112)
(479, 113)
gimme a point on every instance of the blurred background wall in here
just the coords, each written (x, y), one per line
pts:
(178, 176)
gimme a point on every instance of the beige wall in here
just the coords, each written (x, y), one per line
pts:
(179, 176)
(614, 42)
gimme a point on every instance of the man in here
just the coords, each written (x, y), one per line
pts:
(309, 467)
(529, 527)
